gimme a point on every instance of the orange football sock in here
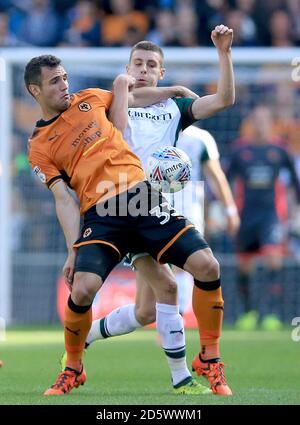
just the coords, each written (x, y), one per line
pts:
(77, 323)
(208, 308)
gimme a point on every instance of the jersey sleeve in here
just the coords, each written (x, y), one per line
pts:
(43, 168)
(104, 95)
(184, 105)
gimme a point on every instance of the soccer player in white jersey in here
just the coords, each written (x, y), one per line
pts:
(147, 129)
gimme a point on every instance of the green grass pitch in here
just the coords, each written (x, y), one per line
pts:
(262, 368)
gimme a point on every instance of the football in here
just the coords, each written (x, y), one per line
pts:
(168, 169)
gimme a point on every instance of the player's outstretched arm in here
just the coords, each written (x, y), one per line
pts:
(125, 96)
(68, 215)
(145, 96)
(206, 106)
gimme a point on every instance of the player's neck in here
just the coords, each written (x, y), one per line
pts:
(49, 117)
(49, 114)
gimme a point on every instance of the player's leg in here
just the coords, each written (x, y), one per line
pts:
(152, 277)
(93, 264)
(170, 238)
(169, 322)
(157, 229)
(145, 312)
(127, 318)
(207, 301)
(184, 282)
(190, 252)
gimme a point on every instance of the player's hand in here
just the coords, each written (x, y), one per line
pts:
(182, 91)
(124, 80)
(222, 37)
(68, 269)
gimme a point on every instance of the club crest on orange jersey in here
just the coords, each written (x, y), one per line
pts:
(84, 107)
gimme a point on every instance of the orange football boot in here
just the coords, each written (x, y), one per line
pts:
(214, 373)
(66, 381)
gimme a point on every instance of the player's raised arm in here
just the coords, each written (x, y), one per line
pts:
(69, 218)
(208, 105)
(125, 96)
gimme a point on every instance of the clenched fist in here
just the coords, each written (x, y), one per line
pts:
(222, 37)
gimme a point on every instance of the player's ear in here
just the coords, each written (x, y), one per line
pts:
(34, 89)
(127, 68)
(162, 73)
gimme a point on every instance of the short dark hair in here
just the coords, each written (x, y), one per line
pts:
(149, 46)
(33, 69)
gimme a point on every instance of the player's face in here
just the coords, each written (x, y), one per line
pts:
(54, 89)
(145, 66)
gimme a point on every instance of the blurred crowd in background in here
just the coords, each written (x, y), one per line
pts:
(185, 23)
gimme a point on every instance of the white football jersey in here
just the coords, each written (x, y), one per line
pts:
(161, 125)
(157, 125)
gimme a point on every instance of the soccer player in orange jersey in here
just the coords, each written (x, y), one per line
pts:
(148, 129)
(75, 143)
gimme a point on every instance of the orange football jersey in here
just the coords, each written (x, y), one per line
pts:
(82, 147)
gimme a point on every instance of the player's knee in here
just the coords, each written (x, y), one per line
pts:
(83, 296)
(85, 288)
(213, 269)
(145, 315)
(210, 271)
